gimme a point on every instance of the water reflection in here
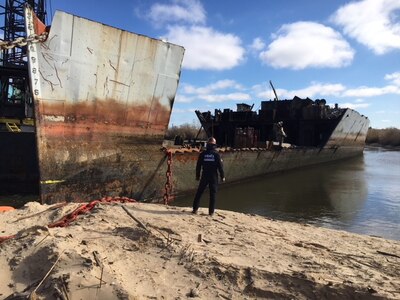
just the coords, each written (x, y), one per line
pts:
(311, 193)
(347, 189)
(381, 215)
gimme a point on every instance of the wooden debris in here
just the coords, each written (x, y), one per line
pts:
(387, 253)
(33, 293)
(100, 264)
(223, 296)
(64, 288)
(136, 219)
(42, 240)
(38, 213)
(97, 258)
(100, 279)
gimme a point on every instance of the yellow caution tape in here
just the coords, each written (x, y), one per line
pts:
(51, 181)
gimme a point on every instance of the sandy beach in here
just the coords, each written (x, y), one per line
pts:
(150, 251)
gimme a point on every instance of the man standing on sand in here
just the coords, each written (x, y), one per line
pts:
(211, 163)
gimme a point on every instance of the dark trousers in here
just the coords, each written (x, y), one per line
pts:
(212, 183)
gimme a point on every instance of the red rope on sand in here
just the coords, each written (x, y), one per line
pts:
(7, 237)
(68, 219)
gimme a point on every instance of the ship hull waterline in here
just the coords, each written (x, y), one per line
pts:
(145, 180)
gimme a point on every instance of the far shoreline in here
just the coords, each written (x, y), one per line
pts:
(374, 146)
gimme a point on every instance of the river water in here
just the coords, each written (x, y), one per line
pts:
(360, 195)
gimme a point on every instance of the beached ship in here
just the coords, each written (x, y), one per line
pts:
(315, 133)
(102, 101)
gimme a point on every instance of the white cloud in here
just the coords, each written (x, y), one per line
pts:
(206, 48)
(183, 98)
(318, 89)
(394, 78)
(364, 91)
(225, 97)
(181, 116)
(181, 111)
(257, 45)
(322, 90)
(372, 23)
(220, 84)
(188, 11)
(312, 91)
(354, 105)
(207, 93)
(302, 45)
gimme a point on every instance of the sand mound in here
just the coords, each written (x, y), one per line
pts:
(168, 253)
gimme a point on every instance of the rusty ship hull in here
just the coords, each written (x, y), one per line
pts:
(102, 101)
(250, 157)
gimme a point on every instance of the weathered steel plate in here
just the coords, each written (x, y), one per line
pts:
(350, 132)
(103, 99)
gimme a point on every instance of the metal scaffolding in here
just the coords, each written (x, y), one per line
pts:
(14, 27)
(15, 98)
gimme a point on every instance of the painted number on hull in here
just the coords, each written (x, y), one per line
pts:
(34, 66)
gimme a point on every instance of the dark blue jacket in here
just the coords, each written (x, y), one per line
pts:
(211, 162)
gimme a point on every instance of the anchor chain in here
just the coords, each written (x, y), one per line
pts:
(23, 41)
(168, 174)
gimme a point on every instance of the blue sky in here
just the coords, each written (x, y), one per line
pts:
(347, 52)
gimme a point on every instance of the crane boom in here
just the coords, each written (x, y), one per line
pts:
(276, 96)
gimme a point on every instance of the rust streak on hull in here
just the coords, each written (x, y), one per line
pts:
(99, 117)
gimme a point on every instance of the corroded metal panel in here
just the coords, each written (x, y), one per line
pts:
(103, 99)
(241, 164)
(351, 131)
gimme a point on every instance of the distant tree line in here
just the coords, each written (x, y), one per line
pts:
(384, 137)
(186, 132)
